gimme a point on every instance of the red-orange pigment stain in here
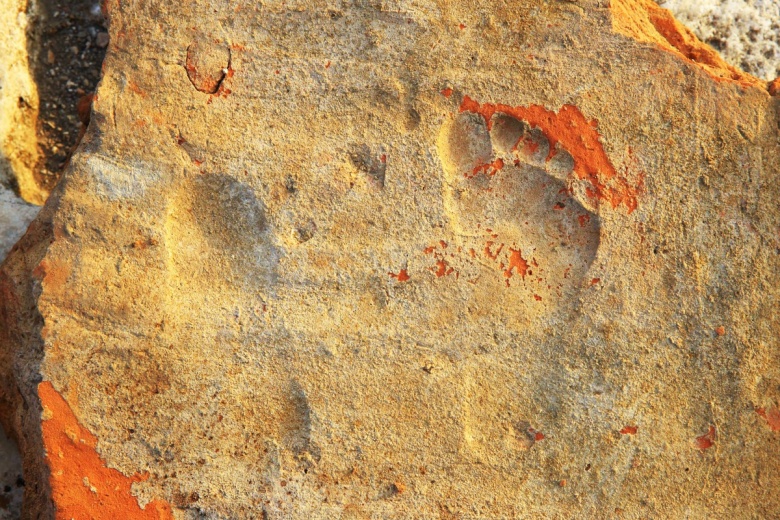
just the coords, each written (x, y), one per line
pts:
(530, 146)
(490, 169)
(442, 268)
(489, 253)
(774, 87)
(428, 250)
(707, 440)
(443, 244)
(629, 430)
(76, 468)
(772, 417)
(579, 137)
(402, 275)
(462, 26)
(720, 331)
(447, 92)
(537, 297)
(594, 281)
(516, 261)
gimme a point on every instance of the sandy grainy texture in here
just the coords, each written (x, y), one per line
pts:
(18, 105)
(411, 259)
(745, 32)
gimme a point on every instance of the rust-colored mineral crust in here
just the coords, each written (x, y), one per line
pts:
(407, 259)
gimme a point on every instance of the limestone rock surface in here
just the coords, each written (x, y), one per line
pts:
(404, 259)
(18, 105)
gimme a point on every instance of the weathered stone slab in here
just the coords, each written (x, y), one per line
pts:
(404, 259)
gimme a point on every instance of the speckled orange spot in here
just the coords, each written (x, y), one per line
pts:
(720, 331)
(83, 488)
(707, 440)
(629, 430)
(442, 268)
(489, 253)
(772, 417)
(402, 275)
(447, 92)
(489, 169)
(579, 137)
(133, 86)
(516, 261)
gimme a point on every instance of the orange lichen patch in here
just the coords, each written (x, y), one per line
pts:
(447, 92)
(402, 275)
(720, 331)
(629, 430)
(516, 261)
(579, 137)
(645, 21)
(772, 417)
(707, 440)
(83, 488)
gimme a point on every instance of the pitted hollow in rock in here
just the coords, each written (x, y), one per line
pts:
(207, 65)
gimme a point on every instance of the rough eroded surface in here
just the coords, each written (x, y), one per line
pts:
(408, 259)
(746, 32)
